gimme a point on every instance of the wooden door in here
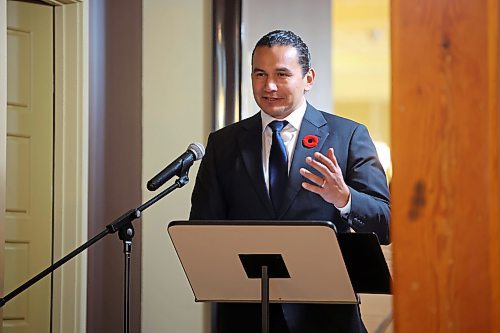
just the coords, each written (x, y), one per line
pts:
(28, 246)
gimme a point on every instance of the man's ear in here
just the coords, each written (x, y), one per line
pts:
(310, 75)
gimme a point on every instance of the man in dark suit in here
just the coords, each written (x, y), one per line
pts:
(291, 162)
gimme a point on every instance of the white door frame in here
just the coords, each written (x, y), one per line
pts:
(70, 159)
(3, 138)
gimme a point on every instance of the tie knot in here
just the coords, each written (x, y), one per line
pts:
(277, 126)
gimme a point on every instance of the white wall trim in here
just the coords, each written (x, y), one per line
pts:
(71, 165)
(3, 136)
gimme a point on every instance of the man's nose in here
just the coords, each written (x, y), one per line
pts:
(270, 85)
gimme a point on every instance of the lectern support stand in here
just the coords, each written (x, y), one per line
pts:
(307, 261)
(264, 266)
(265, 299)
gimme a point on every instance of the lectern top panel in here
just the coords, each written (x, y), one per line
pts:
(209, 253)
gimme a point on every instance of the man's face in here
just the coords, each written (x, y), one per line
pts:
(277, 80)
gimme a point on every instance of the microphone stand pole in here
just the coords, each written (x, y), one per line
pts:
(125, 229)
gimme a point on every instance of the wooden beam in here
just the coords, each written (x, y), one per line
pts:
(445, 188)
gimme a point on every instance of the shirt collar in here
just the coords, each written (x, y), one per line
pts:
(294, 118)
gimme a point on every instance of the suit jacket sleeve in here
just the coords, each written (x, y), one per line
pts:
(207, 200)
(370, 209)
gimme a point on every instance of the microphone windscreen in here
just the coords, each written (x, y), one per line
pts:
(198, 150)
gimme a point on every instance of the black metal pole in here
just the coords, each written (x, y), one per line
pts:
(265, 299)
(127, 250)
(126, 234)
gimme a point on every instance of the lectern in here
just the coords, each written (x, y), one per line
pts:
(278, 261)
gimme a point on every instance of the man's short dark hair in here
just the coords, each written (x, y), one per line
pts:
(287, 38)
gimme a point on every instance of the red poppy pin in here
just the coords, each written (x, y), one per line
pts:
(310, 141)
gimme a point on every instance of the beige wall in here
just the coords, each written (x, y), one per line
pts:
(176, 108)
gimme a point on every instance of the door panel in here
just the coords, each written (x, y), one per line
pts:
(28, 248)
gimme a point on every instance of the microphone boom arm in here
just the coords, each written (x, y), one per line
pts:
(113, 227)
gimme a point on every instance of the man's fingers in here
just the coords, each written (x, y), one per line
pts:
(312, 188)
(319, 166)
(331, 155)
(324, 160)
(312, 177)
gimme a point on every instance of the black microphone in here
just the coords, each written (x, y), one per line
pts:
(194, 152)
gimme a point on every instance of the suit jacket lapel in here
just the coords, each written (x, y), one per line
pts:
(250, 144)
(313, 124)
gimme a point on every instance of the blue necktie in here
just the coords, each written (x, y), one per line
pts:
(278, 165)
